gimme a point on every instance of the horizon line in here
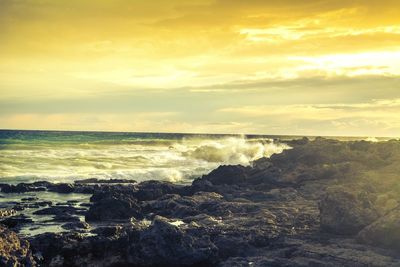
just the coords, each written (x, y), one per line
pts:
(191, 133)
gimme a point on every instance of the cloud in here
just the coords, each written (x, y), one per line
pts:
(106, 60)
(382, 108)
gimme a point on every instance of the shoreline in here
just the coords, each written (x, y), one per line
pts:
(321, 203)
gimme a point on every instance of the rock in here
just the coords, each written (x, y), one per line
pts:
(20, 188)
(61, 249)
(227, 174)
(114, 208)
(65, 218)
(61, 210)
(177, 206)
(16, 221)
(164, 244)
(13, 250)
(7, 212)
(109, 231)
(105, 181)
(76, 226)
(384, 232)
(62, 188)
(300, 253)
(29, 199)
(151, 190)
(346, 211)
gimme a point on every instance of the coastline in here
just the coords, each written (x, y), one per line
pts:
(322, 203)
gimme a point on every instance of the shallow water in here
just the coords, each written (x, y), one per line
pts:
(41, 223)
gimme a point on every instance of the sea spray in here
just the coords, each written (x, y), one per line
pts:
(179, 158)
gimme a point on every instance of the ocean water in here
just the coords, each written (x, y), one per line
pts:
(57, 156)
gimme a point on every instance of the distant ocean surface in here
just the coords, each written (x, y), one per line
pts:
(59, 156)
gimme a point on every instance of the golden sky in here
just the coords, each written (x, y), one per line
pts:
(321, 67)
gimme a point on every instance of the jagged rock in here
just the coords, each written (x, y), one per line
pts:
(150, 190)
(29, 199)
(105, 181)
(20, 188)
(384, 232)
(227, 174)
(164, 244)
(182, 206)
(13, 250)
(114, 208)
(76, 225)
(7, 212)
(16, 221)
(62, 188)
(300, 253)
(60, 210)
(346, 211)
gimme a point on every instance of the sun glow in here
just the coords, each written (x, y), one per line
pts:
(114, 61)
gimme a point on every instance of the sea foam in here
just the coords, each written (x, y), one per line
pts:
(178, 160)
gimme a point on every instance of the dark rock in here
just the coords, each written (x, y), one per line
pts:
(150, 190)
(346, 211)
(60, 210)
(300, 253)
(73, 201)
(177, 206)
(164, 244)
(114, 208)
(85, 204)
(16, 221)
(61, 188)
(65, 218)
(76, 226)
(20, 188)
(228, 174)
(105, 181)
(44, 203)
(109, 231)
(298, 142)
(29, 199)
(384, 232)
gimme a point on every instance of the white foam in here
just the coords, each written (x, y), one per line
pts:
(176, 162)
(235, 150)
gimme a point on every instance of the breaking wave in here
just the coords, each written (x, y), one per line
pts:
(235, 150)
(176, 160)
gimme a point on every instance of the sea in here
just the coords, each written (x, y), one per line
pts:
(65, 156)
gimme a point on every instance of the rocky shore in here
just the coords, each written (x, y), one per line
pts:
(322, 203)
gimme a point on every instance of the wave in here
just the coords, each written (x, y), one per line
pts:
(177, 161)
(235, 150)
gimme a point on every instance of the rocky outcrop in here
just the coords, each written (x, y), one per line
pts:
(322, 203)
(159, 244)
(164, 244)
(62, 188)
(346, 211)
(228, 174)
(114, 207)
(384, 232)
(13, 250)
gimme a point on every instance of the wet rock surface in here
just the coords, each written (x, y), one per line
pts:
(321, 203)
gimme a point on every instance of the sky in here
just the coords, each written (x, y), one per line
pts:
(303, 67)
